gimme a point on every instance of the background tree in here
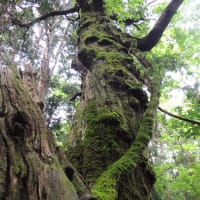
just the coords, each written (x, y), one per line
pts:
(175, 149)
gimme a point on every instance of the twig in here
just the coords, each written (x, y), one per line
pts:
(179, 117)
(43, 17)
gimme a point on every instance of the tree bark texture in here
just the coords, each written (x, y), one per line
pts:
(112, 126)
(114, 122)
(31, 166)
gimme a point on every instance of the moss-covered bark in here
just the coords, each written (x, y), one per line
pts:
(131, 177)
(30, 164)
(114, 122)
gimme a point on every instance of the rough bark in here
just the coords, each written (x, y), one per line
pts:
(114, 122)
(111, 130)
(31, 166)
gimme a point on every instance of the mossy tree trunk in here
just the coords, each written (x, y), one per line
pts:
(115, 120)
(112, 127)
(31, 166)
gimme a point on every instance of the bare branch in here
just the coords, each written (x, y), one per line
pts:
(43, 17)
(179, 117)
(149, 41)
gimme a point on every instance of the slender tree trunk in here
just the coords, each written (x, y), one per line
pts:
(31, 166)
(114, 122)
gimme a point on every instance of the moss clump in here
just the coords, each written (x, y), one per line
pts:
(106, 42)
(110, 193)
(131, 164)
(107, 186)
(134, 103)
(101, 115)
(110, 115)
(101, 144)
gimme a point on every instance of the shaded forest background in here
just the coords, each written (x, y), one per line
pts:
(50, 47)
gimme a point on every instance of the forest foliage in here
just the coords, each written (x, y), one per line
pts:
(175, 148)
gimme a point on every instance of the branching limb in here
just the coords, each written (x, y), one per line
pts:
(149, 41)
(179, 117)
(43, 17)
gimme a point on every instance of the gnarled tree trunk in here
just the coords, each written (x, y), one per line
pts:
(31, 166)
(112, 126)
(114, 122)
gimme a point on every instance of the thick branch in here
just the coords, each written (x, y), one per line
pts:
(179, 117)
(43, 17)
(149, 41)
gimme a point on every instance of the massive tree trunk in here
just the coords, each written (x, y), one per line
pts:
(111, 129)
(31, 166)
(114, 122)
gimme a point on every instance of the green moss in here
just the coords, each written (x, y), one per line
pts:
(88, 29)
(107, 184)
(97, 114)
(101, 145)
(113, 57)
(110, 193)
(134, 102)
(20, 167)
(102, 115)
(106, 187)
(108, 129)
(106, 41)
